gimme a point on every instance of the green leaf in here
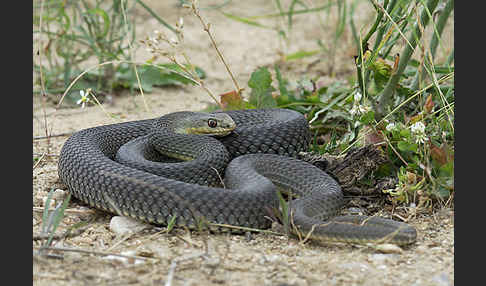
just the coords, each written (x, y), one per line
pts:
(154, 75)
(368, 117)
(405, 133)
(45, 213)
(447, 170)
(407, 147)
(261, 89)
(382, 72)
(282, 83)
(106, 20)
(246, 21)
(58, 215)
(300, 54)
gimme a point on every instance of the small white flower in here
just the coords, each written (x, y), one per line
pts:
(418, 130)
(84, 97)
(357, 96)
(181, 22)
(391, 126)
(153, 40)
(358, 109)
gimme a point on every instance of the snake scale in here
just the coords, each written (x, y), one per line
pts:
(124, 168)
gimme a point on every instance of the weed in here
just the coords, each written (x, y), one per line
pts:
(72, 34)
(390, 103)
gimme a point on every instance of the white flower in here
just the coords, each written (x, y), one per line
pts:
(358, 109)
(418, 130)
(153, 40)
(84, 97)
(391, 126)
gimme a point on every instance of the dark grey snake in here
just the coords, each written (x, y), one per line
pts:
(155, 191)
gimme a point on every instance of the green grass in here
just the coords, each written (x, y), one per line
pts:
(76, 32)
(390, 96)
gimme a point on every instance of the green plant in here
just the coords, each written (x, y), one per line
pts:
(383, 105)
(51, 221)
(74, 33)
(77, 31)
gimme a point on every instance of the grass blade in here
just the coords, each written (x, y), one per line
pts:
(247, 21)
(161, 21)
(45, 214)
(58, 214)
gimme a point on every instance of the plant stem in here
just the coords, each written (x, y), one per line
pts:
(364, 43)
(441, 22)
(206, 27)
(379, 35)
(156, 16)
(377, 22)
(131, 56)
(404, 59)
(450, 58)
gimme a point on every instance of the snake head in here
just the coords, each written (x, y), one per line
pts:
(216, 124)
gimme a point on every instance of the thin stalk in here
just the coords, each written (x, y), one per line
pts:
(293, 12)
(351, 23)
(450, 58)
(161, 21)
(364, 43)
(377, 22)
(441, 23)
(131, 55)
(379, 35)
(206, 27)
(404, 59)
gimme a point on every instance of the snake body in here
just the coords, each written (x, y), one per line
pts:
(114, 168)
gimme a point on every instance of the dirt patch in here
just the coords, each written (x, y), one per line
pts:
(220, 259)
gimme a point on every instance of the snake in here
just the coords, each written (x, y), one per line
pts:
(227, 168)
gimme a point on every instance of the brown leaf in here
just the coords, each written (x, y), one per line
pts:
(411, 178)
(395, 64)
(371, 137)
(416, 118)
(231, 100)
(429, 104)
(440, 154)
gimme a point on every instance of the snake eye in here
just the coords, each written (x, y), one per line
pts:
(212, 123)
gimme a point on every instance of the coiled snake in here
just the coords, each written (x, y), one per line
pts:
(189, 191)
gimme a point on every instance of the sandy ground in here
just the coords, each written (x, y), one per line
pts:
(219, 259)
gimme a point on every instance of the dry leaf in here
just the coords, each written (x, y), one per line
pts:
(429, 104)
(231, 100)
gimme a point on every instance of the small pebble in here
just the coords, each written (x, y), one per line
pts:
(274, 258)
(59, 195)
(122, 225)
(125, 260)
(211, 262)
(388, 248)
